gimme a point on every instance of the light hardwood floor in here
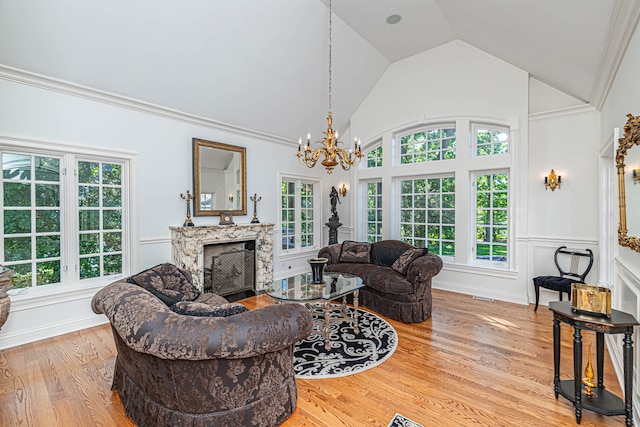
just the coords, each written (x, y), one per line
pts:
(474, 363)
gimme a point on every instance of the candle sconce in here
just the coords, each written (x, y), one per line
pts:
(342, 190)
(552, 180)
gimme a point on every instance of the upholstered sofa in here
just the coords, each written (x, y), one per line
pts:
(194, 369)
(397, 276)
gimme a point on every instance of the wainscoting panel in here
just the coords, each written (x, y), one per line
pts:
(626, 297)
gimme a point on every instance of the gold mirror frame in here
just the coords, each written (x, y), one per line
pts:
(203, 149)
(631, 138)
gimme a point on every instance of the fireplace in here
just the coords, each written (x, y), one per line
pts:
(193, 248)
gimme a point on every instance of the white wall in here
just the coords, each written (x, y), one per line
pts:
(624, 98)
(454, 82)
(42, 110)
(566, 141)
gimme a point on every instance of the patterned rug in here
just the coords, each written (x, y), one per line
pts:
(350, 353)
(400, 421)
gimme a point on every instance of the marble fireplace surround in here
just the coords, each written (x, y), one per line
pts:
(187, 248)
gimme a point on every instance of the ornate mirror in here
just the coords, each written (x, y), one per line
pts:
(219, 178)
(628, 156)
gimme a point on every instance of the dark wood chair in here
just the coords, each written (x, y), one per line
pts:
(580, 263)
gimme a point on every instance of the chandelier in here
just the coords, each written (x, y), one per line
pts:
(329, 149)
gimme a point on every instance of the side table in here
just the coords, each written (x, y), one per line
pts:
(605, 403)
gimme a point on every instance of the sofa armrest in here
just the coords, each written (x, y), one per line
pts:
(423, 269)
(332, 252)
(147, 325)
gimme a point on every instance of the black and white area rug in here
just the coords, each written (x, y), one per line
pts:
(400, 421)
(350, 353)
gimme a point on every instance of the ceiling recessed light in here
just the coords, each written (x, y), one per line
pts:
(393, 19)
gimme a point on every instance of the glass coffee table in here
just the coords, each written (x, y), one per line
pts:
(318, 297)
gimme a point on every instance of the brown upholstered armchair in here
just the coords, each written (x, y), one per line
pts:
(402, 296)
(174, 369)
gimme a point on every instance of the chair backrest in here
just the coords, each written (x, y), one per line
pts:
(579, 264)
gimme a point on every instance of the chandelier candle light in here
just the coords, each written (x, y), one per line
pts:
(333, 155)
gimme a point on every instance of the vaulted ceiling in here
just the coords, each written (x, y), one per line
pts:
(262, 65)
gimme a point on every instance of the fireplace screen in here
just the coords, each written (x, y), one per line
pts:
(232, 272)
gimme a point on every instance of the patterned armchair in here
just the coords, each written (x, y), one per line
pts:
(175, 369)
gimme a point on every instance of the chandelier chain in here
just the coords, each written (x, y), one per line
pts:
(330, 48)
(330, 154)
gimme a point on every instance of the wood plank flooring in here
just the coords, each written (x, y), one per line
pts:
(474, 363)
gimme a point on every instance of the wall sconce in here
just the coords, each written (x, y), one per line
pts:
(342, 190)
(552, 180)
(231, 197)
(636, 176)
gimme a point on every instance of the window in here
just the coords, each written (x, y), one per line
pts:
(427, 213)
(298, 212)
(492, 213)
(374, 157)
(100, 218)
(374, 211)
(428, 145)
(491, 141)
(60, 226)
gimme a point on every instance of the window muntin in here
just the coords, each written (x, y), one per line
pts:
(492, 216)
(288, 217)
(374, 211)
(427, 213)
(42, 214)
(428, 145)
(306, 215)
(31, 217)
(490, 141)
(100, 206)
(374, 157)
(299, 211)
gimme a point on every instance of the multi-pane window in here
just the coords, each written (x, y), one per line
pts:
(99, 218)
(306, 215)
(492, 213)
(491, 141)
(428, 145)
(298, 212)
(31, 216)
(374, 157)
(427, 213)
(374, 211)
(48, 200)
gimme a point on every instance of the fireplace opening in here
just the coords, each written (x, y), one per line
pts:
(231, 270)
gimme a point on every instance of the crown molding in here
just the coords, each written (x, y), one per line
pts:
(622, 26)
(563, 112)
(74, 89)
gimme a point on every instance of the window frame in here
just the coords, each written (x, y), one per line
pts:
(316, 209)
(474, 260)
(462, 168)
(440, 126)
(492, 128)
(70, 155)
(367, 236)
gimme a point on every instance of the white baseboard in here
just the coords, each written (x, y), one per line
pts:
(513, 297)
(49, 331)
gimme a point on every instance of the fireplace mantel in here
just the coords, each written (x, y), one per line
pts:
(187, 248)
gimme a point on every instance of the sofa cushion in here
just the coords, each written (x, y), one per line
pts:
(359, 252)
(191, 308)
(385, 256)
(169, 300)
(169, 280)
(401, 265)
(382, 279)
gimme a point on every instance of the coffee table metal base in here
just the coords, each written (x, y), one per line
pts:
(324, 310)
